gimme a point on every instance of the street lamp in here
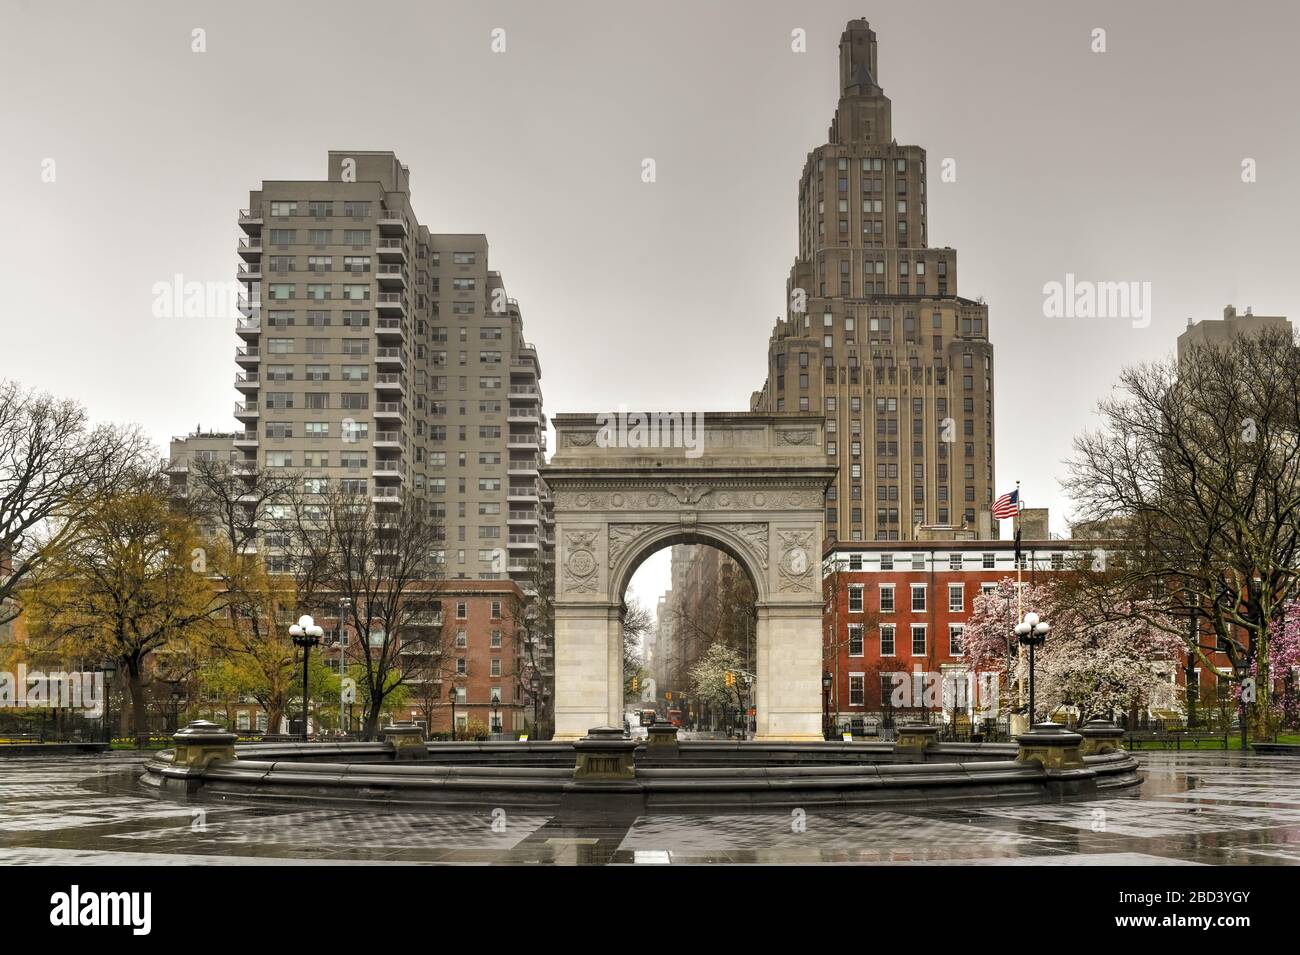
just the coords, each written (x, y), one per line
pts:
(108, 668)
(176, 709)
(305, 634)
(1031, 632)
(536, 683)
(496, 719)
(827, 682)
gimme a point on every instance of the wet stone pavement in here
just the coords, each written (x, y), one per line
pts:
(1199, 808)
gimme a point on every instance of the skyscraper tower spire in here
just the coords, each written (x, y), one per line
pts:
(876, 339)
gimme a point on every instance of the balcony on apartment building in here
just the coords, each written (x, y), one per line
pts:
(390, 329)
(523, 465)
(392, 222)
(389, 411)
(393, 381)
(391, 276)
(388, 468)
(249, 271)
(246, 409)
(388, 494)
(391, 303)
(390, 355)
(523, 542)
(391, 250)
(247, 381)
(525, 394)
(250, 248)
(389, 439)
(250, 220)
(522, 492)
(523, 415)
(246, 439)
(248, 327)
(527, 516)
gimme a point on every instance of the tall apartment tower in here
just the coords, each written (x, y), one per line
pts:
(388, 359)
(876, 338)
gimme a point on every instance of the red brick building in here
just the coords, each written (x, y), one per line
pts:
(484, 658)
(892, 607)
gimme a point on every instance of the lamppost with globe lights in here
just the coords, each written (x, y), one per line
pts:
(108, 668)
(451, 698)
(1031, 632)
(305, 634)
(827, 682)
(496, 717)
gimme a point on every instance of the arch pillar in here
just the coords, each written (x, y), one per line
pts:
(588, 668)
(789, 652)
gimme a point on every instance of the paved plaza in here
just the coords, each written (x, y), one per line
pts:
(1193, 809)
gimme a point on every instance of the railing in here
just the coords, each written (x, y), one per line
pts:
(388, 353)
(388, 407)
(245, 407)
(390, 245)
(390, 298)
(247, 351)
(390, 324)
(247, 378)
(391, 436)
(251, 244)
(390, 378)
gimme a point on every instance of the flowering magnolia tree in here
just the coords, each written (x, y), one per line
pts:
(1101, 666)
(1286, 667)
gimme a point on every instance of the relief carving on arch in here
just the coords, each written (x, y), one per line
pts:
(580, 564)
(796, 563)
(621, 536)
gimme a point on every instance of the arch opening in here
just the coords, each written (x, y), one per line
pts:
(688, 615)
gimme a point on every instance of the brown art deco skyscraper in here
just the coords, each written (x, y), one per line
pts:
(876, 338)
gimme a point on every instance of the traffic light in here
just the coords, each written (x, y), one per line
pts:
(731, 679)
(636, 684)
(668, 696)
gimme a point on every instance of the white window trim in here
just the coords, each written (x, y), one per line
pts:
(960, 628)
(893, 589)
(861, 639)
(863, 677)
(881, 637)
(861, 591)
(925, 632)
(961, 589)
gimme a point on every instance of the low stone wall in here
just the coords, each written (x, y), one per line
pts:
(605, 774)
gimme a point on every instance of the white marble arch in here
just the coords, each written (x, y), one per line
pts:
(756, 491)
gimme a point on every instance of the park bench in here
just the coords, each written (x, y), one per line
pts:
(1175, 735)
(20, 738)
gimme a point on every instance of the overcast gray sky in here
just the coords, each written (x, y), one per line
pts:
(1115, 166)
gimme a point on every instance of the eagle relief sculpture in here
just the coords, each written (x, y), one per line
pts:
(688, 494)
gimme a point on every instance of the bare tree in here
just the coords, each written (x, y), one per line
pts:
(1197, 461)
(53, 467)
(532, 623)
(386, 561)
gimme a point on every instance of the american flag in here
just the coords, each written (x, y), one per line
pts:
(1008, 505)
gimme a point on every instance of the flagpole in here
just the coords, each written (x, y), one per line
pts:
(1019, 611)
(1015, 527)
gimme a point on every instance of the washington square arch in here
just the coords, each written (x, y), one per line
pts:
(751, 485)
